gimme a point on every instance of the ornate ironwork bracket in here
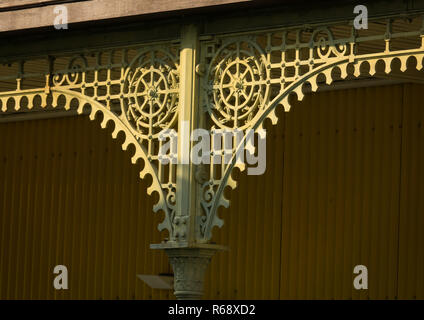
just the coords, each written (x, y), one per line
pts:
(247, 77)
(134, 90)
(228, 82)
(232, 82)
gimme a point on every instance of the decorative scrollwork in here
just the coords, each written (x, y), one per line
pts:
(237, 84)
(322, 40)
(74, 72)
(140, 98)
(244, 79)
(248, 78)
(150, 93)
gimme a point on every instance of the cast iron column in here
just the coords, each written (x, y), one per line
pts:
(189, 255)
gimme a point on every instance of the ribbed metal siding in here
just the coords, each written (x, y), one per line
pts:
(70, 196)
(411, 222)
(331, 200)
(343, 186)
(341, 194)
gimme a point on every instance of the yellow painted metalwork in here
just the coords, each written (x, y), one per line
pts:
(252, 74)
(343, 186)
(238, 80)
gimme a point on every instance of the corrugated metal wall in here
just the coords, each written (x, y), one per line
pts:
(70, 196)
(343, 186)
(411, 220)
(341, 194)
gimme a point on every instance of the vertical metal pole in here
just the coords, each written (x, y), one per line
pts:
(187, 122)
(188, 256)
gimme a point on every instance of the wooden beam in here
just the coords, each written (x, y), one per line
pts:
(84, 11)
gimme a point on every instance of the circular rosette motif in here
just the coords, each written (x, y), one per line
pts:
(237, 84)
(150, 93)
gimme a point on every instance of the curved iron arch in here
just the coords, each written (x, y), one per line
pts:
(119, 126)
(297, 88)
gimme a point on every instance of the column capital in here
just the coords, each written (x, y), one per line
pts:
(189, 265)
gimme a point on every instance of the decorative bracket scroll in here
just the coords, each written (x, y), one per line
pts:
(145, 89)
(135, 89)
(248, 76)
